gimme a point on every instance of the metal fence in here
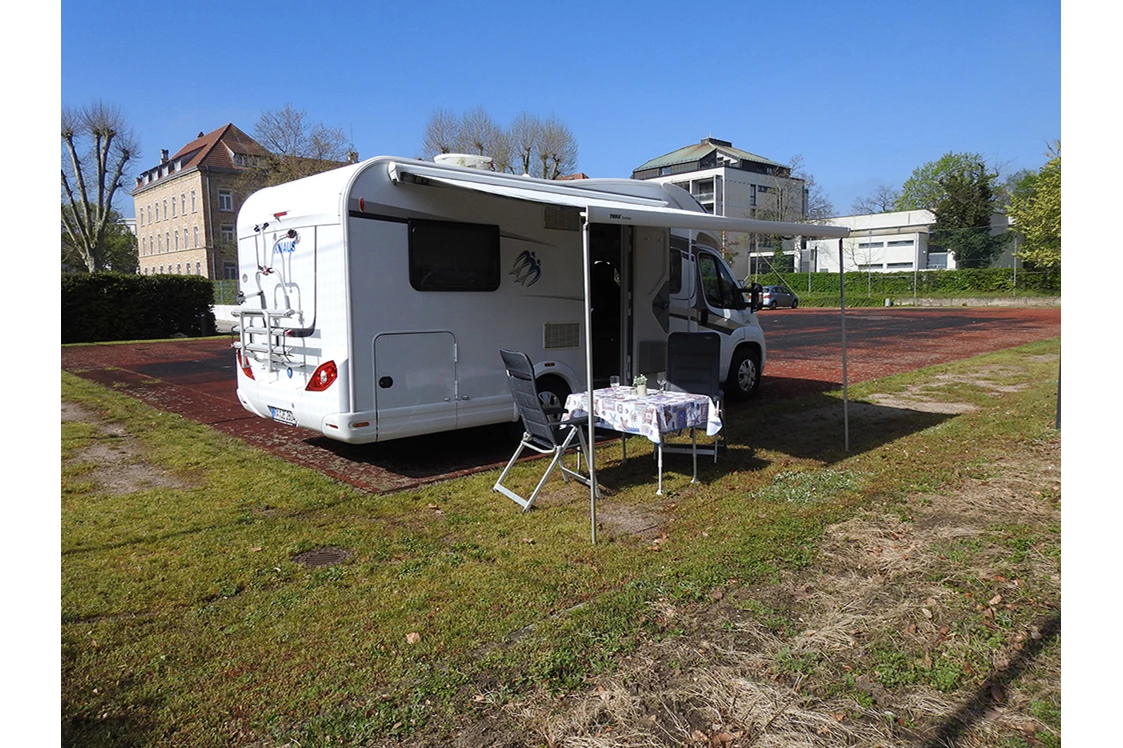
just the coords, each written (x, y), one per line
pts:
(225, 291)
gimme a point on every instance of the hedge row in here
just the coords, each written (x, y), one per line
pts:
(114, 306)
(938, 283)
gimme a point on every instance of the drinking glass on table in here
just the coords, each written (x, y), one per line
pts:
(615, 382)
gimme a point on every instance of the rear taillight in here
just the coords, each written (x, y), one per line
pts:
(322, 378)
(244, 364)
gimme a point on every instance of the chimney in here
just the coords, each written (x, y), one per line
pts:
(201, 134)
(352, 157)
(163, 155)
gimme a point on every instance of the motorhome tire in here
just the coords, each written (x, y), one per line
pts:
(553, 391)
(744, 374)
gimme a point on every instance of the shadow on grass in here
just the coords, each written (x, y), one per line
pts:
(992, 692)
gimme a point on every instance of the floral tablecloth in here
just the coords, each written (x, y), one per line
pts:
(653, 415)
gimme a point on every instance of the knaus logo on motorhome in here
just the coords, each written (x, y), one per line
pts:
(527, 268)
(287, 243)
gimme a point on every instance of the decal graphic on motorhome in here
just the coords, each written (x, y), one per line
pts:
(527, 268)
(287, 243)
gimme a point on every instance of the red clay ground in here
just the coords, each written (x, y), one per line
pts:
(195, 378)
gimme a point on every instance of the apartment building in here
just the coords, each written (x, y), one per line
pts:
(730, 182)
(187, 205)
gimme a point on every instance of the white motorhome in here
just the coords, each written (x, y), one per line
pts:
(376, 297)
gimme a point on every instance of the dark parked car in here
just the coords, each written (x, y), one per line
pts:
(777, 296)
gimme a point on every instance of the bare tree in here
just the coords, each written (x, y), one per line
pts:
(298, 148)
(503, 151)
(557, 149)
(525, 134)
(546, 148)
(98, 147)
(883, 199)
(478, 132)
(817, 205)
(441, 133)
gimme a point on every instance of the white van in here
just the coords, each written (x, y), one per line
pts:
(375, 297)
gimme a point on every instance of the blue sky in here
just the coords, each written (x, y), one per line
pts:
(864, 91)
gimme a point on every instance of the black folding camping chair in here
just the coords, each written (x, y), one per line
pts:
(694, 367)
(543, 432)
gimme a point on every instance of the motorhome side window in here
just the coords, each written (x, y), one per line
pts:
(447, 256)
(717, 285)
(679, 251)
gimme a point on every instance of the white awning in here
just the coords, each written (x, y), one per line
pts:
(600, 206)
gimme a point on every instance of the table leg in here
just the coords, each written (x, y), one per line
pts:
(694, 452)
(660, 450)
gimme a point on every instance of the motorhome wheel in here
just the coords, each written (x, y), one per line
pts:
(744, 374)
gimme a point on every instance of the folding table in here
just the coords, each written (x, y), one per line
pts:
(652, 415)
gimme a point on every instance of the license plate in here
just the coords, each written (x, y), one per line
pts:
(282, 416)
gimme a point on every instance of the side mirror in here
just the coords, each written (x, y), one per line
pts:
(755, 290)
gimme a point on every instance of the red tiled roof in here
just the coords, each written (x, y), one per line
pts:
(206, 151)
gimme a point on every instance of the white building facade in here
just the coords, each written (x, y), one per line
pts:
(734, 183)
(890, 243)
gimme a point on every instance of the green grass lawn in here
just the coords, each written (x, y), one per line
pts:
(186, 622)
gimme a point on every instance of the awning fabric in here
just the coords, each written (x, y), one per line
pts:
(604, 207)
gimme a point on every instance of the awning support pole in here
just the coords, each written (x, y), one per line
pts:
(589, 375)
(842, 310)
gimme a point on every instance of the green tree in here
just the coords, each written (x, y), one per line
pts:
(1036, 213)
(963, 215)
(97, 149)
(924, 188)
(118, 248)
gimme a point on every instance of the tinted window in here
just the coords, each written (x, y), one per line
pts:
(446, 256)
(717, 285)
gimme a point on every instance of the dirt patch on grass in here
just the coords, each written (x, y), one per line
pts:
(115, 460)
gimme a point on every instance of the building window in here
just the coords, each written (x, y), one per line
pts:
(198, 268)
(193, 208)
(157, 212)
(168, 241)
(173, 208)
(185, 238)
(225, 199)
(196, 236)
(165, 210)
(143, 246)
(227, 232)
(229, 270)
(178, 269)
(183, 203)
(161, 269)
(160, 242)
(902, 243)
(150, 212)
(870, 245)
